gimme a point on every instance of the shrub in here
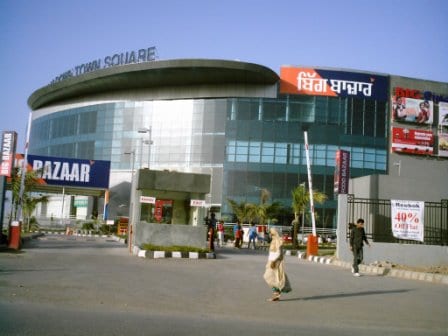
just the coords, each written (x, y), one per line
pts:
(88, 226)
(174, 248)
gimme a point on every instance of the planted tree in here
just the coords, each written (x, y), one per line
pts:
(29, 201)
(300, 202)
(243, 210)
(264, 210)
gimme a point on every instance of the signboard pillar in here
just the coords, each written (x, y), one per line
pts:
(2, 202)
(8, 153)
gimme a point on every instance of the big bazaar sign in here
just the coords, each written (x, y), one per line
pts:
(68, 172)
(332, 83)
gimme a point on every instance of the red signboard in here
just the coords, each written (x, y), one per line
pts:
(163, 210)
(412, 141)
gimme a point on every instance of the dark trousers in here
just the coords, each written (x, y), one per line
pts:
(357, 258)
(211, 241)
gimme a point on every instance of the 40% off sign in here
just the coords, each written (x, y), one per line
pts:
(408, 219)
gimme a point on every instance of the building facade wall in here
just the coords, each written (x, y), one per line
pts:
(412, 176)
(415, 176)
(247, 136)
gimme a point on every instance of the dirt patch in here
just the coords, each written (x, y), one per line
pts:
(430, 269)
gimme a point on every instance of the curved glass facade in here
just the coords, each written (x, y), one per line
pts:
(183, 136)
(245, 144)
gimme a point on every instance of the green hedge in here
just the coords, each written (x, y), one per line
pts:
(174, 248)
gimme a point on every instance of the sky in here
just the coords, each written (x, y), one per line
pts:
(39, 40)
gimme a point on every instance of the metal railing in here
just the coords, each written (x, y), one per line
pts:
(378, 223)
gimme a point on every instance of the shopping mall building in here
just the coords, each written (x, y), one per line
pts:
(244, 124)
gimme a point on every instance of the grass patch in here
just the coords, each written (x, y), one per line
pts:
(326, 249)
(174, 248)
(326, 252)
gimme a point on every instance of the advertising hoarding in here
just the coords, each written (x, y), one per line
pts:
(332, 83)
(412, 141)
(443, 144)
(443, 130)
(413, 111)
(443, 115)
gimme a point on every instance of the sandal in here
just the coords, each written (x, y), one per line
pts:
(275, 297)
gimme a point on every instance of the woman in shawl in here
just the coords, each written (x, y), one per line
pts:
(275, 275)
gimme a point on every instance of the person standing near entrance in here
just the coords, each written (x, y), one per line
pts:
(252, 236)
(237, 233)
(211, 231)
(220, 228)
(357, 239)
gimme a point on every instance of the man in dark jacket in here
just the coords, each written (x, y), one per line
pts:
(357, 237)
(211, 231)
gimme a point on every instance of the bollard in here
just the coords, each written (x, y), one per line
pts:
(312, 246)
(14, 235)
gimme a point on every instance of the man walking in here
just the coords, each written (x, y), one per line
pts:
(357, 239)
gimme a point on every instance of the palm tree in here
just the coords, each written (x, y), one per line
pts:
(243, 210)
(28, 202)
(237, 209)
(250, 212)
(264, 210)
(300, 201)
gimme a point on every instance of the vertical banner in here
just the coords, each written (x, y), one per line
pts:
(9, 143)
(342, 172)
(443, 129)
(408, 219)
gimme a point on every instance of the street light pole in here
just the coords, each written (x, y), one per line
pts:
(132, 152)
(131, 196)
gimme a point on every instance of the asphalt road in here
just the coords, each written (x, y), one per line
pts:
(92, 286)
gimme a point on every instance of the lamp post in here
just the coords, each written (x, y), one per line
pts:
(131, 196)
(398, 164)
(147, 130)
(132, 152)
